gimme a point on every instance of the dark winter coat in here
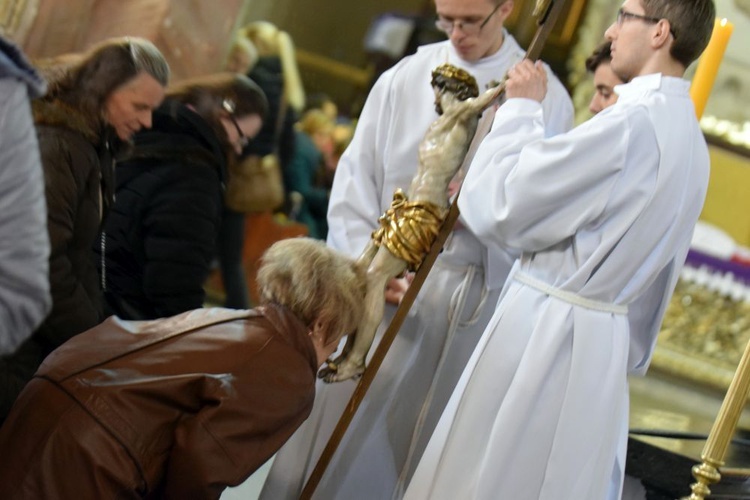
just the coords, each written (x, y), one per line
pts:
(267, 73)
(78, 173)
(159, 240)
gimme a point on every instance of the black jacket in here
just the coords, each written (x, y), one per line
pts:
(160, 237)
(268, 75)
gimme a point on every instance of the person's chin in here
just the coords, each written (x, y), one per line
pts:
(467, 53)
(126, 134)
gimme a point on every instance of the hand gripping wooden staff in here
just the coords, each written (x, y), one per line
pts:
(546, 12)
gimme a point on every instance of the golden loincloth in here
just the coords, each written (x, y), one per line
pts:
(408, 229)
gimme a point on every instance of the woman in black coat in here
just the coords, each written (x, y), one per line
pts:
(159, 240)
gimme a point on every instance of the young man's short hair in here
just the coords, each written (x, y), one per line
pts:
(692, 22)
(602, 53)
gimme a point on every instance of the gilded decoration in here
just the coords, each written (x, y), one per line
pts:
(703, 335)
(706, 327)
(408, 229)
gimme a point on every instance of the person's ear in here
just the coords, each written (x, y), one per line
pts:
(505, 10)
(317, 329)
(317, 332)
(662, 33)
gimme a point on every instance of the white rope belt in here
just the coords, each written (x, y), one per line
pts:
(569, 297)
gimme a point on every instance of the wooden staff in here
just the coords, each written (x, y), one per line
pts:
(546, 12)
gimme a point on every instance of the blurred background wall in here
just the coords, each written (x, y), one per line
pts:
(331, 38)
(194, 34)
(191, 33)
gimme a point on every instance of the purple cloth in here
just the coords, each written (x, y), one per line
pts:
(740, 271)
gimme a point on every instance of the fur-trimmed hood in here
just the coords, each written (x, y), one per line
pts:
(58, 116)
(56, 113)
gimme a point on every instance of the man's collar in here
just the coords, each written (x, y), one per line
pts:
(654, 81)
(639, 84)
(508, 49)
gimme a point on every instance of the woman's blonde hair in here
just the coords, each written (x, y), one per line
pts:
(271, 41)
(315, 121)
(241, 46)
(316, 283)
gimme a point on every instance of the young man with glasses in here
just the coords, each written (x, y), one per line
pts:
(603, 216)
(385, 439)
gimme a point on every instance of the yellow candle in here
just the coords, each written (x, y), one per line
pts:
(708, 65)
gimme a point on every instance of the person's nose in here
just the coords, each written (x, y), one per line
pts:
(457, 33)
(145, 119)
(610, 33)
(595, 105)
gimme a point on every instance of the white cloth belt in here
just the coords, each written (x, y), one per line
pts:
(569, 297)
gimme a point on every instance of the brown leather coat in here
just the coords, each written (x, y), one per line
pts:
(174, 408)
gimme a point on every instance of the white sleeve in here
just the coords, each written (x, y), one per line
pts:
(558, 109)
(527, 192)
(354, 205)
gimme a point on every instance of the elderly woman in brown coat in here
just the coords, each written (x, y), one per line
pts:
(185, 406)
(95, 102)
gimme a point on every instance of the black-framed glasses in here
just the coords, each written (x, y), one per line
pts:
(470, 28)
(622, 15)
(229, 107)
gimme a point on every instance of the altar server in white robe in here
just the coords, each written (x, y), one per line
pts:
(603, 216)
(382, 446)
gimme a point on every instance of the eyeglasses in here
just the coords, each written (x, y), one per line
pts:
(622, 15)
(470, 28)
(229, 107)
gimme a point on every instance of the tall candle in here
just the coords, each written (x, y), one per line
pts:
(708, 66)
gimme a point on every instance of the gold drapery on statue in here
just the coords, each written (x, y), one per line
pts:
(407, 229)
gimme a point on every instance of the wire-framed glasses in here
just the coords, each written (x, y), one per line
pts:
(470, 28)
(229, 107)
(623, 15)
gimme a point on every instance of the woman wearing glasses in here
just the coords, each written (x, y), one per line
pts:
(157, 245)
